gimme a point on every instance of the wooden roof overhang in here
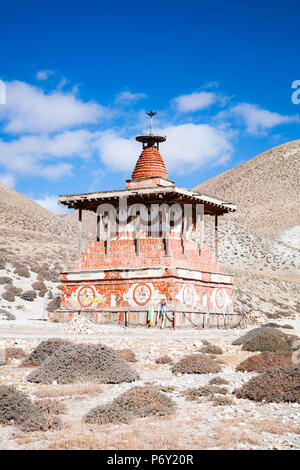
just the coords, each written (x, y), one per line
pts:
(158, 195)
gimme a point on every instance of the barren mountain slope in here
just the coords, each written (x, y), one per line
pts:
(265, 190)
(89, 221)
(17, 210)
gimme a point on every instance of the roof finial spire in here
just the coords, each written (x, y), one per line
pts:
(151, 114)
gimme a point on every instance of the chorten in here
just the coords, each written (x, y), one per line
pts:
(149, 264)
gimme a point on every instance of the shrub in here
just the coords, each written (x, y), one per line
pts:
(83, 362)
(42, 293)
(225, 400)
(268, 341)
(139, 402)
(2, 263)
(8, 296)
(205, 342)
(266, 360)
(204, 391)
(252, 334)
(17, 291)
(47, 275)
(50, 407)
(218, 381)
(44, 350)
(164, 360)
(14, 353)
(287, 326)
(29, 295)
(38, 285)
(35, 268)
(196, 364)
(5, 280)
(212, 349)
(274, 385)
(22, 271)
(127, 354)
(17, 408)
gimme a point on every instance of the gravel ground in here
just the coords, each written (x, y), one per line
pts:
(196, 425)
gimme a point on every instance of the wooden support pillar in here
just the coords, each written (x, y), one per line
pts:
(79, 232)
(98, 229)
(183, 235)
(167, 233)
(200, 225)
(216, 237)
(108, 237)
(137, 234)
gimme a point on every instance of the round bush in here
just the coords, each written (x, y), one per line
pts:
(22, 271)
(5, 280)
(139, 402)
(269, 341)
(17, 408)
(44, 350)
(224, 400)
(127, 354)
(8, 296)
(35, 268)
(218, 381)
(212, 349)
(196, 364)
(274, 385)
(14, 353)
(266, 360)
(38, 285)
(17, 291)
(253, 333)
(204, 391)
(2, 263)
(47, 275)
(164, 360)
(29, 295)
(82, 362)
(42, 293)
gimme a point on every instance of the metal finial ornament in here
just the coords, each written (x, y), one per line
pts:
(151, 114)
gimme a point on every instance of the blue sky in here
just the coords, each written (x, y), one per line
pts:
(80, 75)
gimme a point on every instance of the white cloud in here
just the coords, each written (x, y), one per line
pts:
(126, 97)
(194, 102)
(30, 110)
(257, 120)
(8, 180)
(50, 203)
(188, 147)
(117, 153)
(55, 172)
(32, 155)
(44, 74)
(192, 146)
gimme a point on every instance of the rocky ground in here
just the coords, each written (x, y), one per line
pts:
(195, 425)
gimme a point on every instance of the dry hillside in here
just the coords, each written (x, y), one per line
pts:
(266, 191)
(18, 211)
